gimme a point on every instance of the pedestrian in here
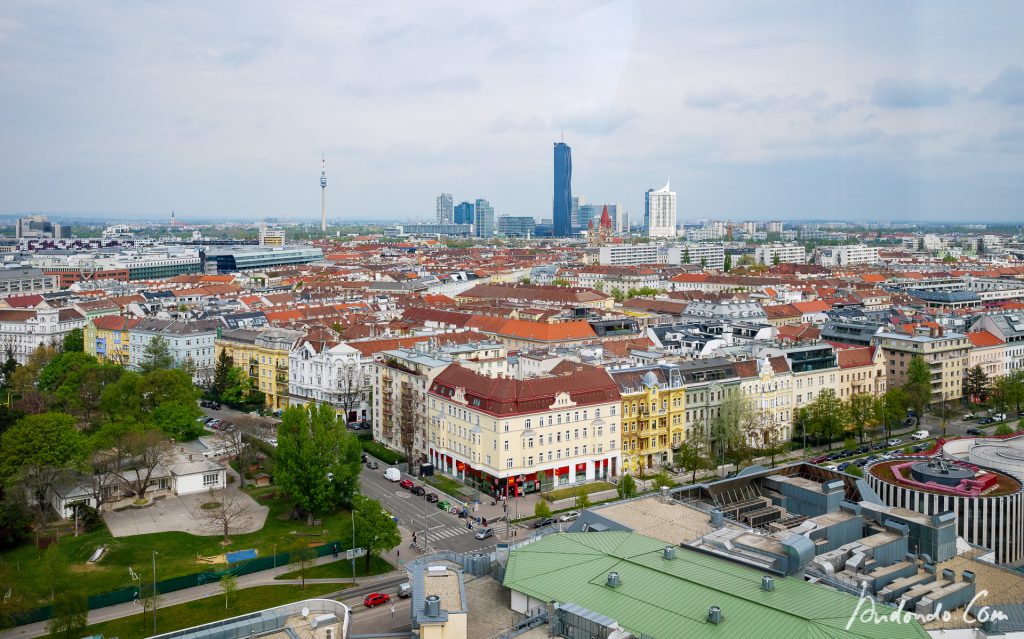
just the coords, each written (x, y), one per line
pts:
(398, 553)
(414, 538)
(392, 610)
(335, 550)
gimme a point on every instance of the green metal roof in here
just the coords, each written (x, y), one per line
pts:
(664, 599)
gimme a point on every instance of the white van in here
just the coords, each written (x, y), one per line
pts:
(392, 474)
(921, 434)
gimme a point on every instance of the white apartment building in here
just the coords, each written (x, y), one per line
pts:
(708, 256)
(185, 341)
(660, 212)
(787, 254)
(508, 436)
(627, 254)
(834, 256)
(323, 369)
(24, 330)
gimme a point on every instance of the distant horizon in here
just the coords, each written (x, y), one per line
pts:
(819, 110)
(285, 218)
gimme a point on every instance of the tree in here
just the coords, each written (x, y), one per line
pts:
(8, 368)
(726, 432)
(686, 255)
(693, 456)
(228, 585)
(890, 409)
(976, 385)
(304, 558)
(235, 510)
(861, 410)
(178, 420)
(74, 341)
(918, 386)
(238, 441)
(317, 459)
(376, 531)
(728, 263)
(746, 260)
(661, 480)
(15, 524)
(582, 499)
(36, 451)
(626, 487)
(775, 258)
(156, 355)
(827, 417)
(236, 387)
(70, 613)
(220, 374)
(24, 383)
(350, 386)
(137, 453)
(541, 510)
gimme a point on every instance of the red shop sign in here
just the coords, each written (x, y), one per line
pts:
(580, 467)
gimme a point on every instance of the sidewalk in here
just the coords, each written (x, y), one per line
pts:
(262, 578)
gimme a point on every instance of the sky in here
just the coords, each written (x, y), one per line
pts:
(910, 111)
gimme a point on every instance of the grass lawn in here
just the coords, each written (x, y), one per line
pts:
(209, 609)
(446, 484)
(381, 452)
(571, 491)
(20, 568)
(342, 568)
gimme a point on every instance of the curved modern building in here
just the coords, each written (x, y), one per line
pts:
(1005, 454)
(988, 503)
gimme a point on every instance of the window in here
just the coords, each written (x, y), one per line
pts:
(505, 445)
(211, 479)
(508, 463)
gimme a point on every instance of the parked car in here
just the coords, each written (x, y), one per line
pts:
(444, 505)
(844, 465)
(485, 533)
(908, 422)
(998, 417)
(547, 521)
(895, 442)
(920, 448)
(572, 515)
(376, 599)
(831, 467)
(431, 497)
(818, 460)
(392, 474)
(878, 446)
(864, 448)
(970, 416)
(920, 434)
(405, 590)
(974, 431)
(363, 458)
(862, 462)
(372, 465)
(419, 491)
(986, 420)
(406, 484)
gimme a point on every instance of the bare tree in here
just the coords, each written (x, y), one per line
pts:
(102, 478)
(138, 453)
(234, 510)
(407, 422)
(350, 386)
(238, 441)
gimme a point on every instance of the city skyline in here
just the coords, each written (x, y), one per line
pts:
(805, 112)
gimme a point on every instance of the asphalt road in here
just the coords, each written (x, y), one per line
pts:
(445, 531)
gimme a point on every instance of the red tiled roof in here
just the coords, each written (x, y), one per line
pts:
(855, 357)
(114, 322)
(981, 339)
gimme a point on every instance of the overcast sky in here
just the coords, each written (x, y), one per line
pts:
(826, 110)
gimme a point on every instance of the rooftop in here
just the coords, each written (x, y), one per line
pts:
(664, 598)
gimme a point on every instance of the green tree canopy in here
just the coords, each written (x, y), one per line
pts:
(156, 355)
(626, 487)
(976, 385)
(317, 459)
(74, 341)
(693, 456)
(37, 450)
(376, 531)
(827, 416)
(918, 386)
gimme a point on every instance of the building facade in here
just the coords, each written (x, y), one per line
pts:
(186, 341)
(507, 436)
(653, 416)
(323, 369)
(464, 213)
(782, 253)
(561, 207)
(484, 218)
(22, 331)
(445, 208)
(107, 338)
(660, 212)
(945, 353)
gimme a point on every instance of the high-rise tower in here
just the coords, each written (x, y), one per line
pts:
(660, 212)
(323, 193)
(562, 204)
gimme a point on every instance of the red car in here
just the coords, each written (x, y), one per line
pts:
(406, 483)
(820, 459)
(376, 599)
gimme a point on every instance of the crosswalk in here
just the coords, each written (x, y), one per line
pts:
(450, 531)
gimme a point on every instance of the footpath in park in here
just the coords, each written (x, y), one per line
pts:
(185, 595)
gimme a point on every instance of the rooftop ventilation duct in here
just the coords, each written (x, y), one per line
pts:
(768, 583)
(714, 614)
(669, 552)
(614, 581)
(432, 606)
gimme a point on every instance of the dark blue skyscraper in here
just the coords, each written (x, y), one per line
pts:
(464, 213)
(562, 206)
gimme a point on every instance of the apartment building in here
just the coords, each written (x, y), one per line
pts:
(24, 330)
(988, 352)
(653, 416)
(861, 371)
(708, 382)
(263, 354)
(186, 341)
(107, 338)
(767, 384)
(783, 253)
(1008, 327)
(506, 436)
(322, 368)
(946, 354)
(847, 255)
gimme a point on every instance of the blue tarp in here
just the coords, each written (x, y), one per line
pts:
(241, 555)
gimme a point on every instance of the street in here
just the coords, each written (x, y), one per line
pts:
(444, 530)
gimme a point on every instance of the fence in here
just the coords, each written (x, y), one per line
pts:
(131, 593)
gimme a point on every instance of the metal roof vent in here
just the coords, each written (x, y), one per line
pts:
(768, 583)
(432, 606)
(614, 581)
(716, 517)
(714, 614)
(669, 552)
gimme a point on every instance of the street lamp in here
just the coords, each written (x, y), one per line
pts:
(155, 553)
(353, 546)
